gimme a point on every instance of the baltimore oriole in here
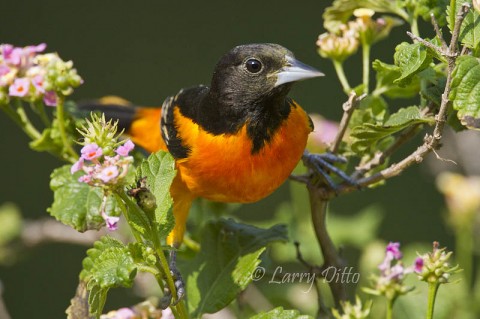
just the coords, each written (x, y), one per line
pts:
(235, 141)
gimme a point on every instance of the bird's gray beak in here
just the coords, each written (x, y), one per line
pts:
(296, 71)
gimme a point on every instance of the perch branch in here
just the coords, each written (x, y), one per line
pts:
(348, 108)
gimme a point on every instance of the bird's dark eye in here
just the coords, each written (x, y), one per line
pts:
(253, 65)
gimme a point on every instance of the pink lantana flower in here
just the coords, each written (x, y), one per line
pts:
(77, 166)
(20, 87)
(91, 151)
(108, 173)
(126, 148)
(393, 249)
(50, 98)
(418, 265)
(111, 221)
(37, 82)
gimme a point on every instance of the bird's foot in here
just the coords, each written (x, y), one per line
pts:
(324, 164)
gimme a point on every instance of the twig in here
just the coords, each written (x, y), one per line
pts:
(380, 157)
(438, 32)
(320, 196)
(426, 43)
(432, 141)
(348, 108)
(318, 206)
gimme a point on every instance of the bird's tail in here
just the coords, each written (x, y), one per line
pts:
(141, 124)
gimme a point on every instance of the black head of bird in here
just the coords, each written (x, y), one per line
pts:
(253, 74)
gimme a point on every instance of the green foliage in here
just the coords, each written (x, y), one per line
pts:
(159, 169)
(423, 8)
(108, 264)
(50, 139)
(223, 268)
(280, 313)
(465, 92)
(411, 59)
(470, 29)
(386, 84)
(77, 204)
(368, 135)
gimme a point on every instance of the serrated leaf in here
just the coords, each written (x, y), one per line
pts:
(77, 204)
(224, 266)
(465, 92)
(280, 313)
(433, 92)
(108, 264)
(159, 168)
(368, 135)
(386, 74)
(341, 10)
(373, 109)
(406, 116)
(411, 59)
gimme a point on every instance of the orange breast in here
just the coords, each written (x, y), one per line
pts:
(222, 168)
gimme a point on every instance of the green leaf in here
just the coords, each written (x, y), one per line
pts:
(385, 77)
(341, 10)
(411, 59)
(465, 92)
(108, 264)
(434, 91)
(372, 109)
(470, 30)
(369, 135)
(51, 140)
(280, 313)
(159, 168)
(77, 204)
(406, 116)
(224, 266)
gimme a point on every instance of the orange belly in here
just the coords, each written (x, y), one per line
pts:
(222, 168)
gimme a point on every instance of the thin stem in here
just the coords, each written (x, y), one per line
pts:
(341, 76)
(389, 314)
(162, 260)
(40, 107)
(21, 119)
(414, 27)
(331, 257)
(464, 249)
(432, 293)
(366, 66)
(348, 109)
(70, 153)
(129, 204)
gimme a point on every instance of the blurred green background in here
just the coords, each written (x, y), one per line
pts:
(145, 51)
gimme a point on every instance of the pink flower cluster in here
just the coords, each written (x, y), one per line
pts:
(26, 74)
(392, 268)
(101, 169)
(104, 171)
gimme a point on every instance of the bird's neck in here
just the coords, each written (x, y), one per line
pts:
(224, 115)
